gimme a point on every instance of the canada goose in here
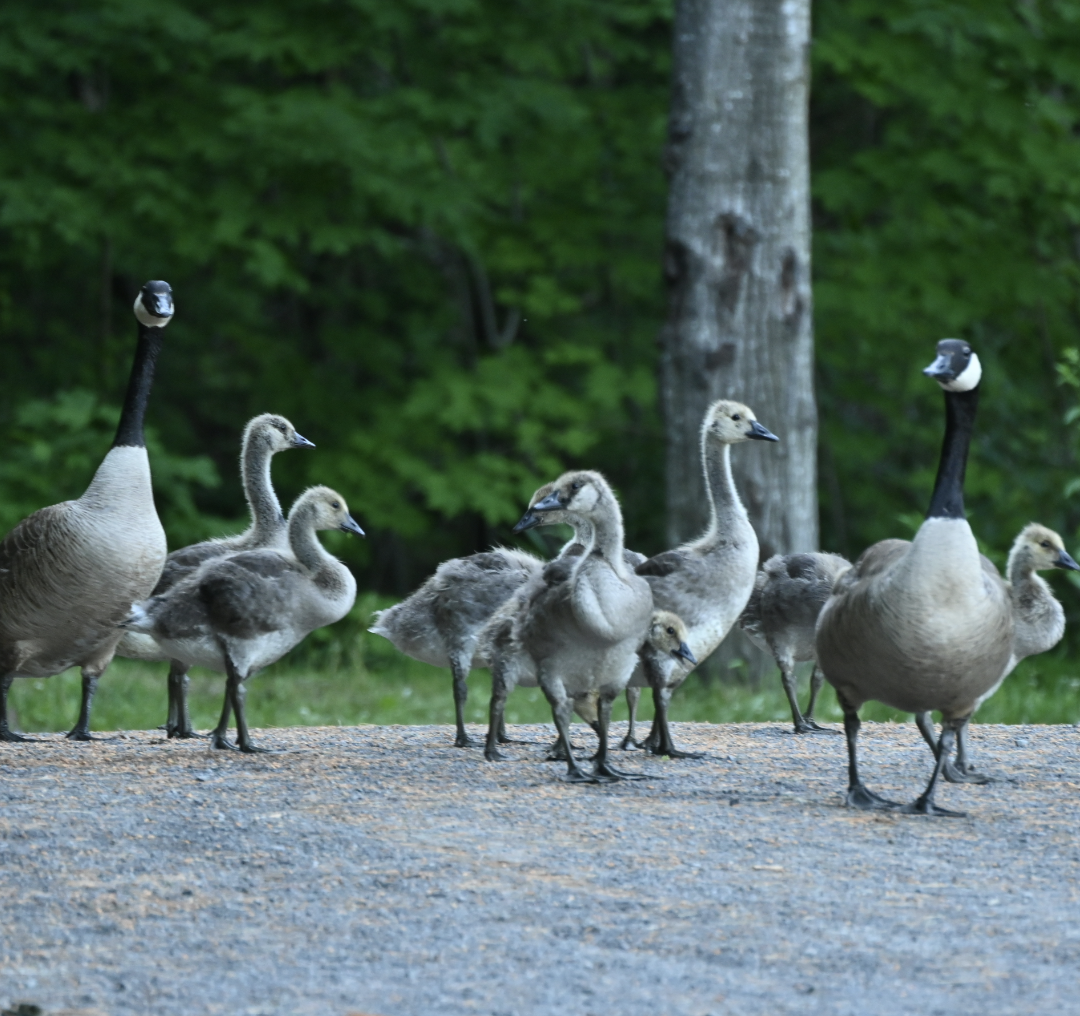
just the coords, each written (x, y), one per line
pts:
(441, 622)
(923, 625)
(242, 612)
(707, 581)
(586, 616)
(780, 615)
(70, 572)
(1039, 621)
(264, 436)
(496, 645)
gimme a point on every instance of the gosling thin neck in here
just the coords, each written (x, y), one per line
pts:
(266, 514)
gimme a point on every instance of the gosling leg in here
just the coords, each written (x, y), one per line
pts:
(924, 804)
(633, 696)
(179, 722)
(459, 670)
(602, 767)
(81, 730)
(817, 679)
(663, 743)
(562, 709)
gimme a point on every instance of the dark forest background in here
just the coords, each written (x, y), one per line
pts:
(430, 233)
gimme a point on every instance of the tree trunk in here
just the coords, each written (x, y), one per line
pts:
(737, 263)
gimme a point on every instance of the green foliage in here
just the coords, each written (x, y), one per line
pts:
(54, 445)
(947, 201)
(429, 232)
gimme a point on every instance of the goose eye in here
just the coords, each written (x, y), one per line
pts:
(575, 486)
(334, 504)
(736, 416)
(671, 631)
(1046, 544)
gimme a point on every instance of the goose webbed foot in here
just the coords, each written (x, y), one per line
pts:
(578, 775)
(666, 746)
(251, 749)
(80, 734)
(629, 743)
(464, 741)
(181, 732)
(965, 774)
(924, 805)
(10, 737)
(810, 726)
(493, 754)
(220, 741)
(604, 770)
(503, 739)
(858, 796)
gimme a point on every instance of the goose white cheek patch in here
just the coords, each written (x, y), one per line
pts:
(967, 379)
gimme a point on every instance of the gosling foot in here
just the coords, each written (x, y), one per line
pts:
(967, 774)
(629, 743)
(220, 741)
(810, 726)
(80, 734)
(603, 769)
(924, 806)
(577, 775)
(464, 741)
(494, 755)
(866, 800)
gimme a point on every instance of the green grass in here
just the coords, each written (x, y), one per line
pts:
(344, 675)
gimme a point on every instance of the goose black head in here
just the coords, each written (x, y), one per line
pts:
(276, 431)
(154, 305)
(731, 422)
(957, 367)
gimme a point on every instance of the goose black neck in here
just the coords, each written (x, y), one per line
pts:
(947, 501)
(130, 431)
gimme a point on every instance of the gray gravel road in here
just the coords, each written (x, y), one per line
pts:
(382, 871)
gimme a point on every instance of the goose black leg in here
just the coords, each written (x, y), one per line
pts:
(602, 768)
(6, 733)
(239, 693)
(924, 804)
(562, 709)
(963, 771)
(810, 725)
(179, 722)
(219, 736)
(633, 696)
(858, 796)
(81, 730)
(499, 693)
(459, 670)
(659, 741)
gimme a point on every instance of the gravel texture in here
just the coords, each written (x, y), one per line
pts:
(379, 870)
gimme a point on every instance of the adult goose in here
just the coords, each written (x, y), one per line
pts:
(1040, 624)
(923, 625)
(707, 581)
(441, 622)
(242, 612)
(70, 572)
(780, 616)
(585, 618)
(264, 436)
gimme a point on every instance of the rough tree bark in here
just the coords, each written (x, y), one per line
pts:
(737, 262)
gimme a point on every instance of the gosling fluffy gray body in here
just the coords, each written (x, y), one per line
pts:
(706, 582)
(70, 572)
(781, 614)
(585, 617)
(440, 623)
(242, 612)
(264, 436)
